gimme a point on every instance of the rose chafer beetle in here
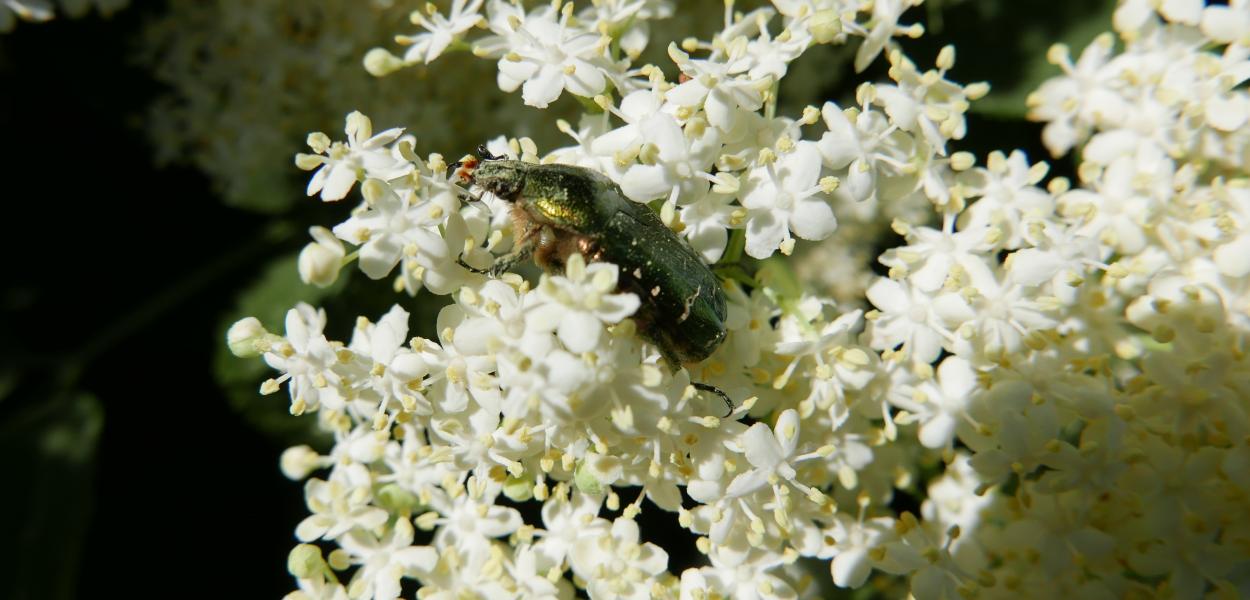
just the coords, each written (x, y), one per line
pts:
(558, 210)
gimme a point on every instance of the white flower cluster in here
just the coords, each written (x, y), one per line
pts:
(1057, 373)
(38, 11)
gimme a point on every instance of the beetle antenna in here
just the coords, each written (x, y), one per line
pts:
(707, 387)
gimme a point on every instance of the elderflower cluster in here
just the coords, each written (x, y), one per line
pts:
(1054, 370)
(38, 11)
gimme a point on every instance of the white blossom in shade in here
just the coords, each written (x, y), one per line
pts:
(339, 166)
(1008, 196)
(307, 362)
(431, 260)
(938, 406)
(339, 505)
(440, 31)
(471, 520)
(783, 196)
(1011, 432)
(1232, 257)
(414, 465)
(1005, 312)
(1058, 254)
(841, 364)
(956, 498)
(723, 89)
(566, 518)
(581, 303)
(850, 543)
(529, 570)
(614, 563)
(384, 560)
(544, 53)
(909, 317)
(749, 579)
(317, 589)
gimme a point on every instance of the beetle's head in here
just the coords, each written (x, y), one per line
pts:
(502, 177)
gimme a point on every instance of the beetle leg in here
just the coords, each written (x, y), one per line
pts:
(520, 254)
(472, 269)
(707, 387)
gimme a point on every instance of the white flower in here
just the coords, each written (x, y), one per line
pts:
(771, 452)
(723, 89)
(567, 518)
(885, 24)
(396, 370)
(855, 142)
(340, 165)
(672, 158)
(579, 304)
(852, 543)
(1008, 197)
(614, 563)
(307, 361)
(707, 223)
(749, 580)
(384, 560)
(390, 227)
(1133, 14)
(440, 31)
(786, 196)
(932, 107)
(1070, 104)
(339, 505)
(930, 255)
(471, 520)
(545, 54)
(1004, 313)
(912, 318)
(939, 406)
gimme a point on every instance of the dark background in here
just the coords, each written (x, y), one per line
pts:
(126, 469)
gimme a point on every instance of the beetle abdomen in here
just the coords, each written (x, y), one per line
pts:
(683, 305)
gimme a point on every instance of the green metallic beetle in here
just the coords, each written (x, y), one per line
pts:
(561, 209)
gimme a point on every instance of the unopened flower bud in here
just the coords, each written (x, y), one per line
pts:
(298, 461)
(243, 335)
(305, 562)
(320, 261)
